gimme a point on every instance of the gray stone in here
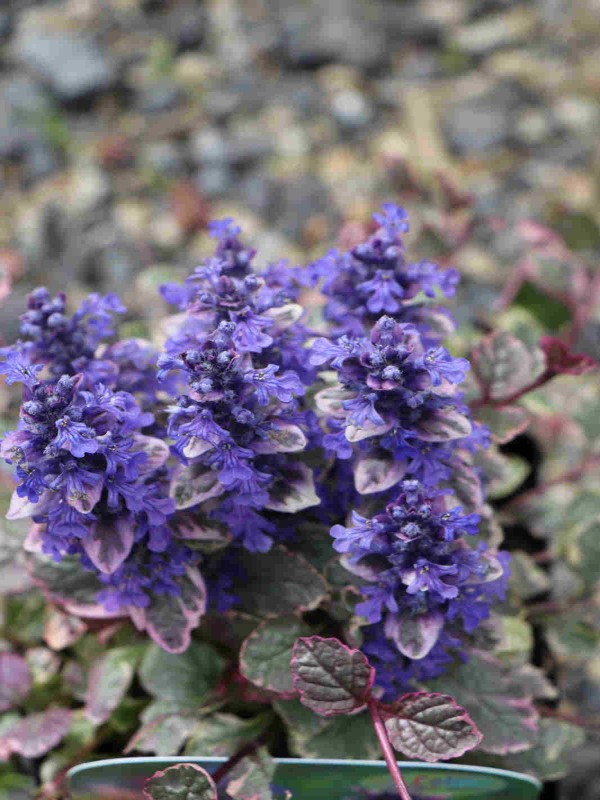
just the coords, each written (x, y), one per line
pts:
(39, 162)
(320, 33)
(160, 97)
(164, 158)
(214, 179)
(480, 124)
(73, 65)
(22, 103)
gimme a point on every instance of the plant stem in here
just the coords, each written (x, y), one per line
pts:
(388, 753)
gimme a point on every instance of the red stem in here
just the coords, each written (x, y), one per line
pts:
(388, 753)
(487, 401)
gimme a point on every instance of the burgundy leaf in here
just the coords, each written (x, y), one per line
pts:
(330, 677)
(430, 727)
(560, 360)
(15, 680)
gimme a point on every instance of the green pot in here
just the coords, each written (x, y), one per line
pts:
(311, 779)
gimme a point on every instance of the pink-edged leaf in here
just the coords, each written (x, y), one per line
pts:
(192, 528)
(15, 680)
(266, 654)
(157, 452)
(504, 423)
(180, 782)
(355, 433)
(466, 482)
(67, 584)
(283, 437)
(196, 446)
(298, 587)
(251, 778)
(416, 634)
(62, 630)
(561, 361)
(109, 679)
(33, 736)
(21, 508)
(430, 727)
(443, 426)
(85, 501)
(284, 316)
(296, 492)
(330, 677)
(109, 543)
(506, 365)
(373, 474)
(503, 711)
(329, 401)
(194, 484)
(169, 620)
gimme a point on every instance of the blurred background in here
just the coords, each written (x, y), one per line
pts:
(125, 125)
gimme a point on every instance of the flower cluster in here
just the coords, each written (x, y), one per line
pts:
(374, 278)
(88, 473)
(425, 586)
(394, 413)
(239, 419)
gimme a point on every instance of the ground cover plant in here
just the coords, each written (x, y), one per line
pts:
(279, 517)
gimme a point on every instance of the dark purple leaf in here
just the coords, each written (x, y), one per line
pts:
(330, 677)
(180, 782)
(15, 680)
(266, 654)
(430, 727)
(297, 587)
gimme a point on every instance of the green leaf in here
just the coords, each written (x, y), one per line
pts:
(503, 713)
(574, 639)
(504, 474)
(109, 680)
(298, 586)
(526, 578)
(224, 734)
(251, 778)
(589, 549)
(180, 782)
(67, 582)
(506, 365)
(313, 736)
(184, 679)
(165, 734)
(546, 309)
(548, 760)
(504, 423)
(430, 727)
(266, 654)
(516, 643)
(330, 677)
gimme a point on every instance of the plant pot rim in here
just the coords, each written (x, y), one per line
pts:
(331, 762)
